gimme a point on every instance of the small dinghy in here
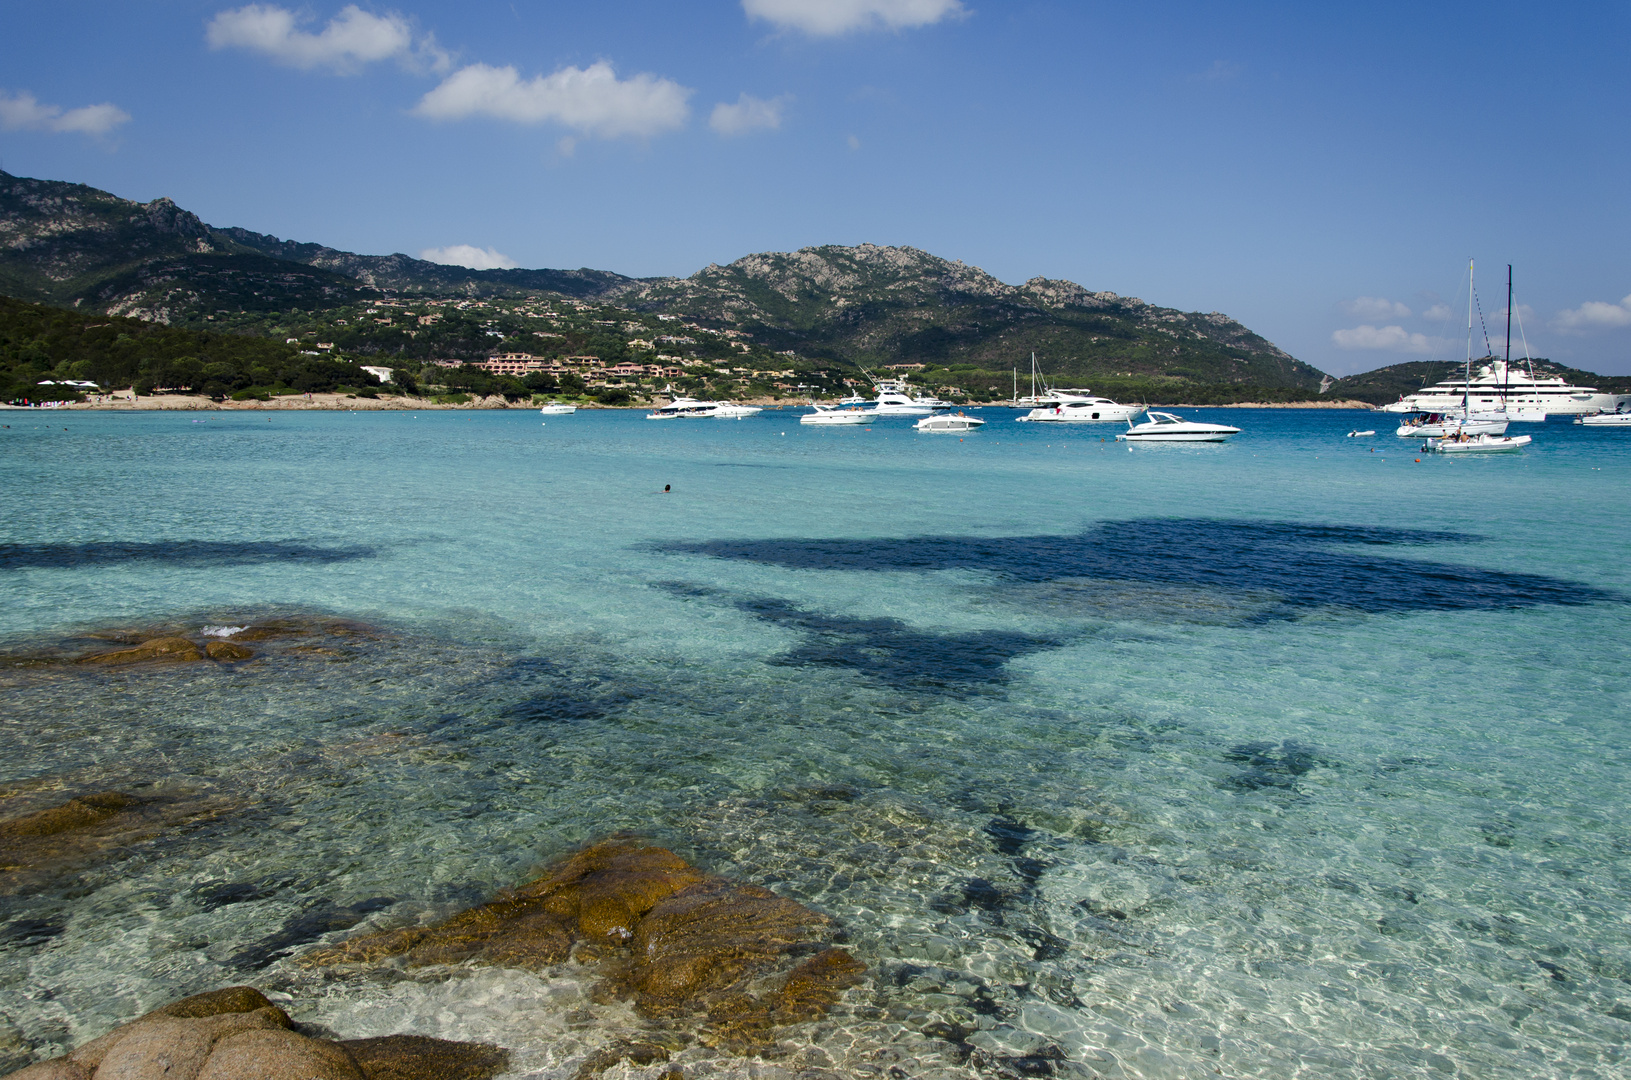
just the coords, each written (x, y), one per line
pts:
(1359, 434)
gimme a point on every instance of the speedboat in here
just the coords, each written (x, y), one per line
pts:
(1620, 419)
(953, 422)
(833, 416)
(557, 408)
(1463, 443)
(684, 407)
(1436, 425)
(1359, 434)
(1165, 427)
(1067, 408)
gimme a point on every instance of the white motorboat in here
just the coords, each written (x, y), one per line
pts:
(1475, 444)
(1166, 427)
(1359, 434)
(949, 422)
(1438, 425)
(1067, 408)
(684, 407)
(894, 400)
(1622, 419)
(833, 416)
(557, 408)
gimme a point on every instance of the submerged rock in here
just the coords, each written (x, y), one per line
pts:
(164, 649)
(237, 1034)
(683, 944)
(40, 846)
(226, 650)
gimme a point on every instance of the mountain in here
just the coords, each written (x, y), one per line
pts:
(75, 246)
(880, 305)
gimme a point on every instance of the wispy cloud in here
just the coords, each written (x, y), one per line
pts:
(1594, 315)
(22, 112)
(1375, 308)
(469, 255)
(1384, 338)
(748, 115)
(351, 40)
(1438, 313)
(591, 100)
(830, 18)
(1220, 71)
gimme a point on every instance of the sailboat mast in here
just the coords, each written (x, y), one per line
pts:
(1509, 313)
(1466, 379)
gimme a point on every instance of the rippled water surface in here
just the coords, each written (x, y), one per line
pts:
(1292, 756)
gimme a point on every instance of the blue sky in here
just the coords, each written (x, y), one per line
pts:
(1320, 172)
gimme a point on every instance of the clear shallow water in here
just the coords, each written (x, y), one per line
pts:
(1282, 757)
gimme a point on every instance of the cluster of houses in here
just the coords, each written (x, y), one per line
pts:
(592, 367)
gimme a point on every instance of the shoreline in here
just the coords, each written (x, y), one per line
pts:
(346, 403)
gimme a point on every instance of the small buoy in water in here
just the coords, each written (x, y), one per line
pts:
(542, 424)
(1418, 461)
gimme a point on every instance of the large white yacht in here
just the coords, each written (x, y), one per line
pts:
(684, 407)
(893, 400)
(1064, 407)
(1510, 386)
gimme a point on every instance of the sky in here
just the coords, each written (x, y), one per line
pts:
(1323, 173)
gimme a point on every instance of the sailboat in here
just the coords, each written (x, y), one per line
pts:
(1466, 437)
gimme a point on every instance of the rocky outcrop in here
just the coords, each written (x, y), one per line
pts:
(162, 650)
(237, 1034)
(684, 945)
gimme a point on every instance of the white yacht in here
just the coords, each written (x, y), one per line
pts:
(557, 408)
(684, 407)
(1436, 425)
(1621, 419)
(1165, 427)
(1463, 443)
(1067, 408)
(949, 422)
(893, 400)
(833, 416)
(1524, 395)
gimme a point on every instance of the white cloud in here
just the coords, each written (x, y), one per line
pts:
(1440, 312)
(1388, 338)
(1374, 307)
(748, 115)
(829, 18)
(469, 255)
(351, 39)
(22, 112)
(1594, 315)
(853, 143)
(591, 100)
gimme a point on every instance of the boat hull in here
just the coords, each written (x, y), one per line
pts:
(1478, 444)
(1606, 420)
(1175, 436)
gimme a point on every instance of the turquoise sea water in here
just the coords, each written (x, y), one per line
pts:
(1291, 756)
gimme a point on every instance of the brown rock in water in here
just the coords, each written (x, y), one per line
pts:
(695, 943)
(230, 999)
(38, 847)
(55, 1069)
(278, 1055)
(416, 1057)
(226, 650)
(711, 934)
(81, 812)
(171, 1048)
(166, 649)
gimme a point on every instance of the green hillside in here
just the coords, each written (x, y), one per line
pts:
(874, 306)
